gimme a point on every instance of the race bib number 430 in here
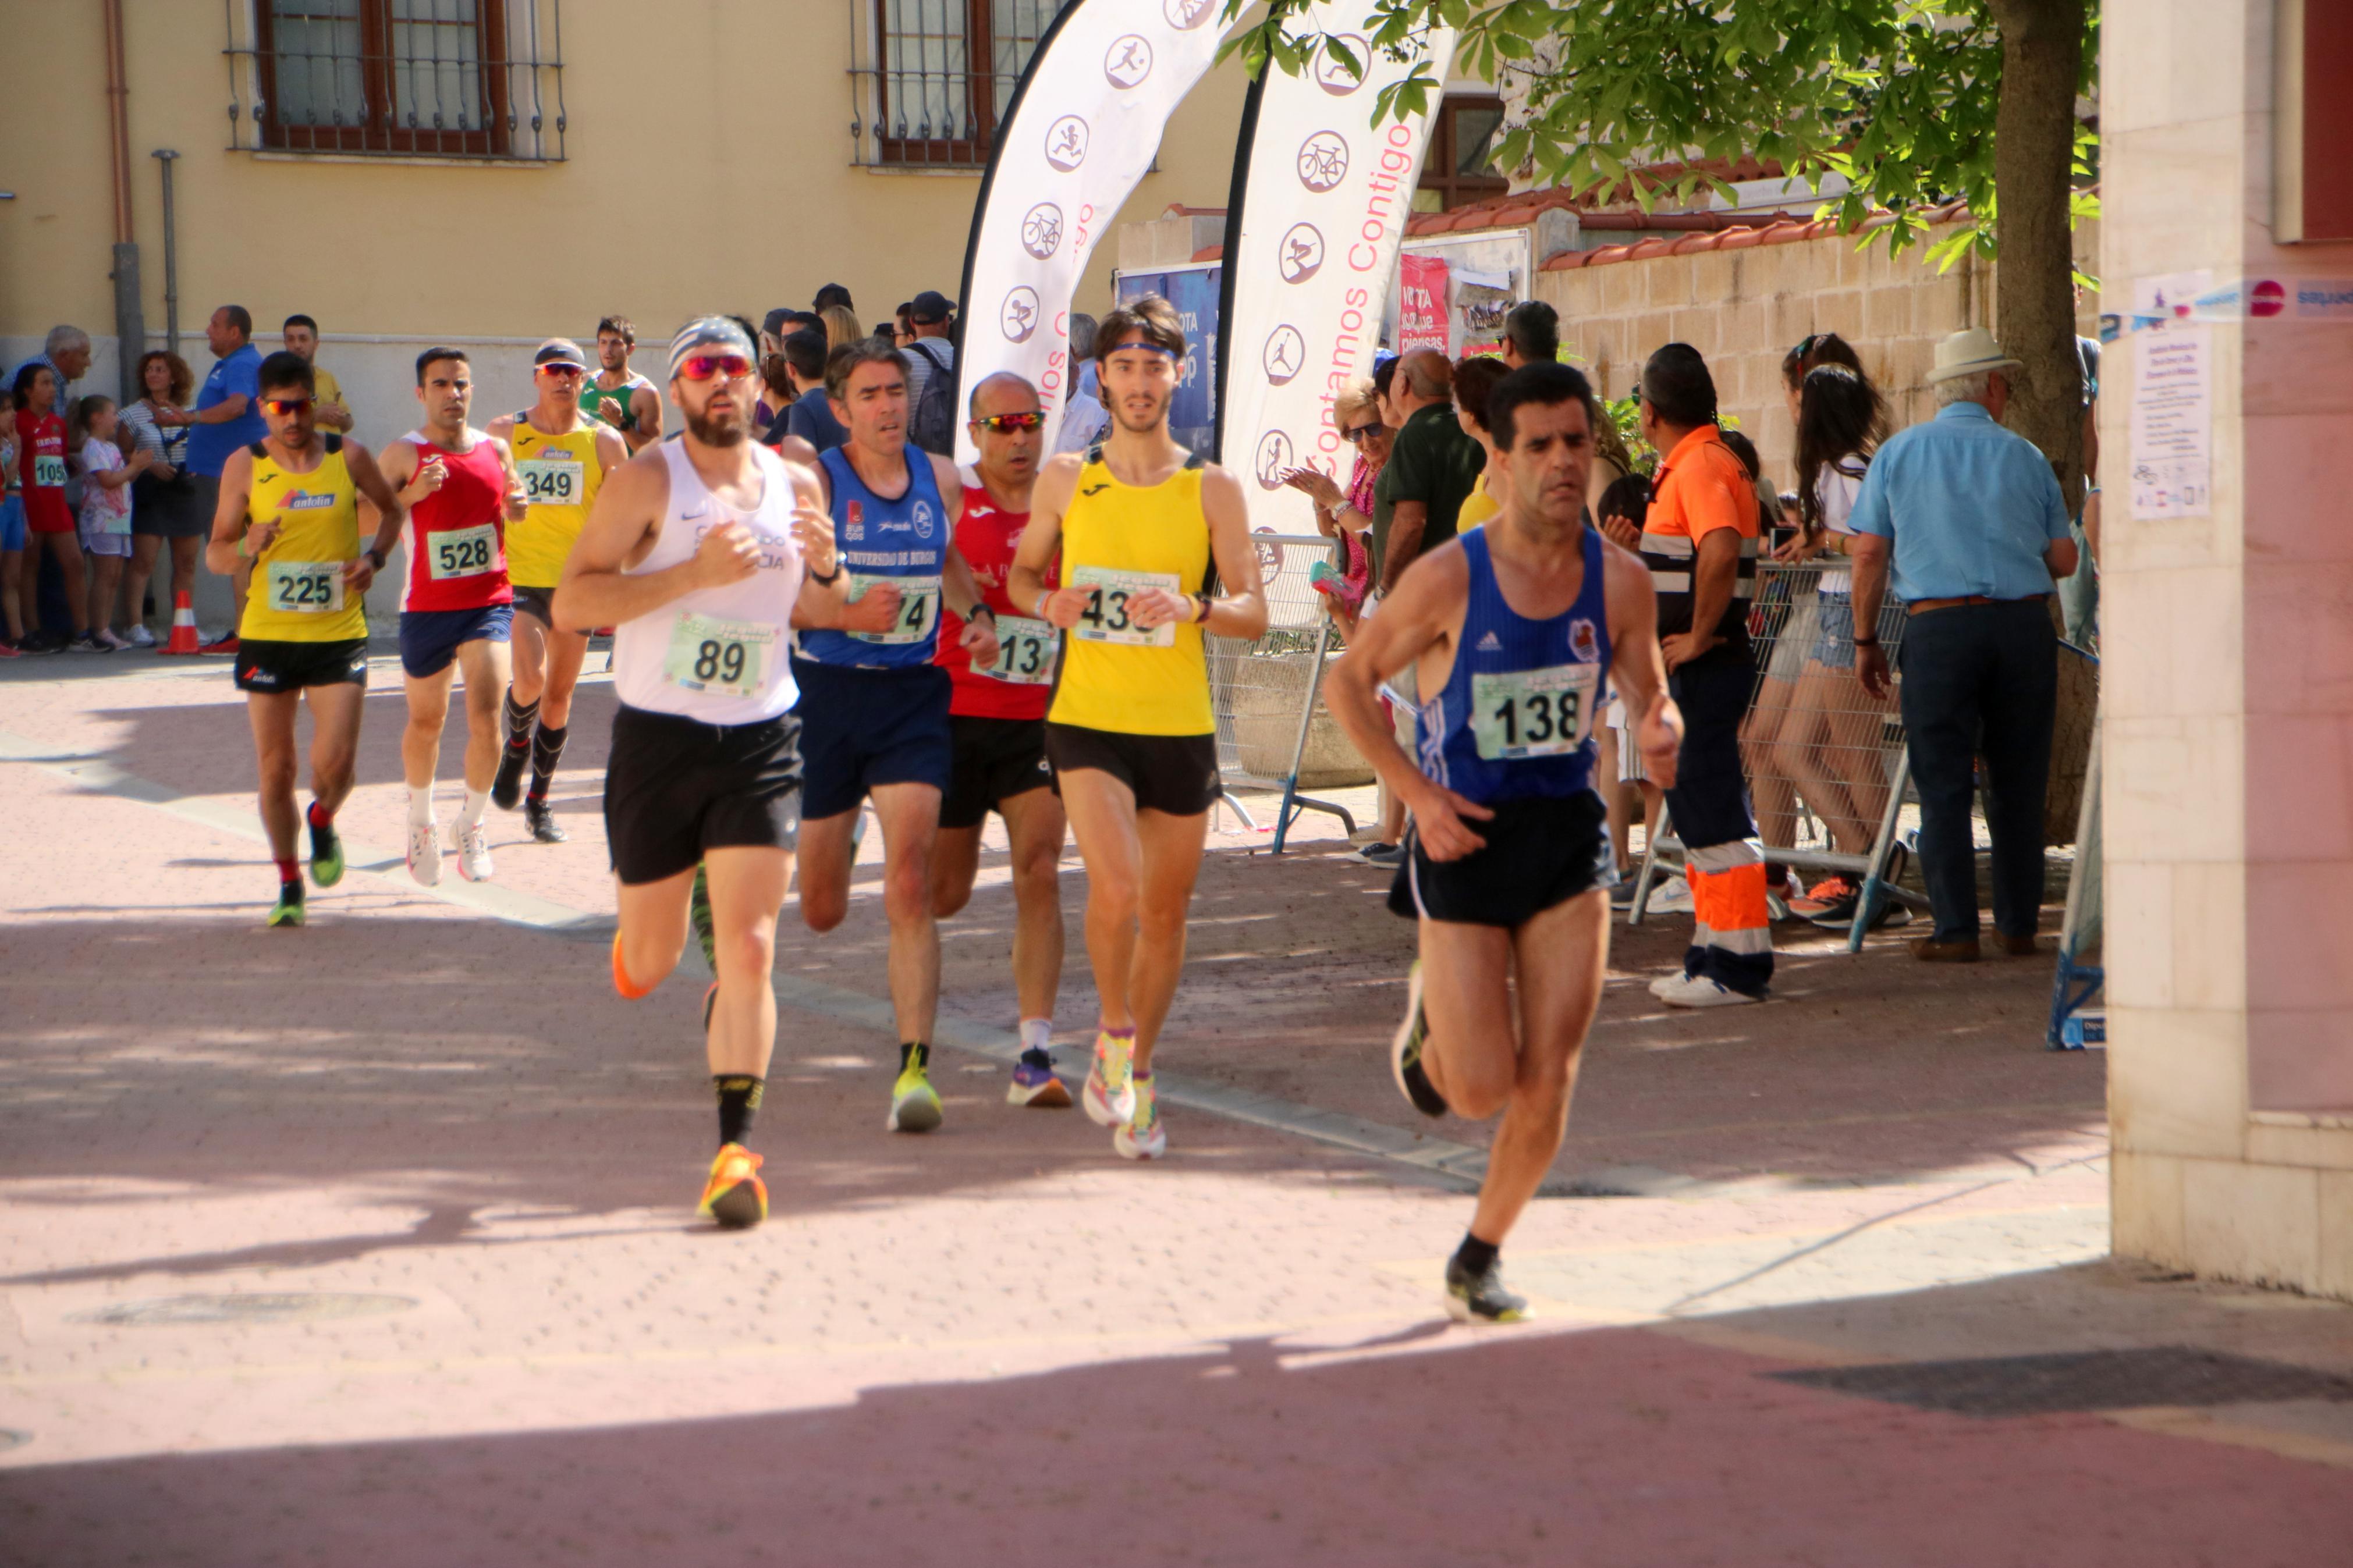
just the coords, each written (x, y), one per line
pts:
(718, 656)
(1025, 651)
(1533, 712)
(919, 606)
(462, 551)
(1106, 616)
(550, 481)
(306, 588)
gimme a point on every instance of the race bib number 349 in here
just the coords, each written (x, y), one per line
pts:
(718, 656)
(1531, 712)
(462, 551)
(1025, 651)
(1106, 618)
(550, 481)
(306, 588)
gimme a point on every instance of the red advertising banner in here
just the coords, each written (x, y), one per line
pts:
(1422, 304)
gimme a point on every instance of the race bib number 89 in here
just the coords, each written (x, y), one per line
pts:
(550, 481)
(722, 658)
(306, 588)
(462, 551)
(1531, 712)
(919, 606)
(1106, 618)
(1025, 651)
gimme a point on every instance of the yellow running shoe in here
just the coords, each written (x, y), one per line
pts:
(734, 1195)
(914, 1104)
(1142, 1138)
(1110, 1092)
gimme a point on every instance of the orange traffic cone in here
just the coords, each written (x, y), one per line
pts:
(184, 627)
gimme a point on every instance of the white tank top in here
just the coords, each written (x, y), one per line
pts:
(720, 656)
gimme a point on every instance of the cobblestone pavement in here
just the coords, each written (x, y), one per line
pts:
(371, 1243)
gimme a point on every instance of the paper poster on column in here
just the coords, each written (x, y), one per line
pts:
(1310, 257)
(2172, 422)
(1422, 306)
(1082, 129)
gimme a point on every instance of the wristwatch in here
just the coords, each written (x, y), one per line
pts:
(827, 579)
(376, 557)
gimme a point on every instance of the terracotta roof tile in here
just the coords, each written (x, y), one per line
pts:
(1210, 253)
(1694, 242)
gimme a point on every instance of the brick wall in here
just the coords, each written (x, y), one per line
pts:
(1744, 308)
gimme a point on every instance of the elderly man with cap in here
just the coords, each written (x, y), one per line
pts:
(563, 458)
(1977, 528)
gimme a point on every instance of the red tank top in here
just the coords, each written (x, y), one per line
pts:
(457, 535)
(41, 462)
(986, 536)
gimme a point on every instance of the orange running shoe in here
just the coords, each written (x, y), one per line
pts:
(734, 1196)
(621, 977)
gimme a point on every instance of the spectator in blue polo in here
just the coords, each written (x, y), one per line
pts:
(227, 416)
(1978, 530)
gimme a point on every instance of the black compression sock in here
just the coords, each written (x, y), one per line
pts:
(520, 718)
(739, 1097)
(1477, 1256)
(547, 751)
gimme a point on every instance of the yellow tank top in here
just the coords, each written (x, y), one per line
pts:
(298, 593)
(1478, 508)
(561, 477)
(1118, 539)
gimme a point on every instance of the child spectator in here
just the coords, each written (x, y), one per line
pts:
(12, 542)
(48, 521)
(105, 510)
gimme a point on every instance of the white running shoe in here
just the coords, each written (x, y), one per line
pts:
(1659, 984)
(140, 636)
(1700, 991)
(1670, 895)
(473, 852)
(1109, 1093)
(425, 853)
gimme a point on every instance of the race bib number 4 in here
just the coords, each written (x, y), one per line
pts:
(550, 481)
(719, 658)
(1025, 651)
(306, 588)
(919, 606)
(1106, 618)
(1531, 712)
(462, 551)
(48, 470)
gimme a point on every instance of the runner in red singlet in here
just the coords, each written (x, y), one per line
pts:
(456, 606)
(996, 718)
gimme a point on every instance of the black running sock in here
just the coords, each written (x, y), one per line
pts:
(739, 1097)
(1477, 1256)
(547, 751)
(916, 1051)
(520, 718)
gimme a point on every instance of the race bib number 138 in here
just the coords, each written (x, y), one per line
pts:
(1531, 712)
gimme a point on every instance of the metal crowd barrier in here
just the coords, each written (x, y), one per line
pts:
(1264, 693)
(1827, 765)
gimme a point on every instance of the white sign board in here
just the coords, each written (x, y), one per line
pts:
(2172, 422)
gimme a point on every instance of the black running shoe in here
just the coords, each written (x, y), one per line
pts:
(540, 820)
(1481, 1297)
(506, 788)
(1404, 1051)
(698, 915)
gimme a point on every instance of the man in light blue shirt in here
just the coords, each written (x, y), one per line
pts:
(1978, 530)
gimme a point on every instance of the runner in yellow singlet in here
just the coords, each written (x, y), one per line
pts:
(1137, 522)
(563, 460)
(289, 508)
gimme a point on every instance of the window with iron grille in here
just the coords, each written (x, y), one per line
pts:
(939, 77)
(457, 79)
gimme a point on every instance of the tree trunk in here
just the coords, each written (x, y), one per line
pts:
(2034, 132)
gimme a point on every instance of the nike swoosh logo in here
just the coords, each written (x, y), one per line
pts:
(690, 516)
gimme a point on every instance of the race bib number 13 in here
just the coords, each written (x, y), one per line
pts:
(1531, 712)
(721, 657)
(1106, 619)
(462, 551)
(1025, 651)
(306, 588)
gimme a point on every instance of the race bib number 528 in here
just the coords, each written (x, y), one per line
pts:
(462, 551)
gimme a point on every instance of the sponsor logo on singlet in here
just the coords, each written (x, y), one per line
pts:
(307, 500)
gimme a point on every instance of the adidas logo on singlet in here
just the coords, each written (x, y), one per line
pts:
(1491, 643)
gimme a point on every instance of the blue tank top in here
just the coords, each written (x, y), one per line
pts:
(901, 543)
(1515, 721)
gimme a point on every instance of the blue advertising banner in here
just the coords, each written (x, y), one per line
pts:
(1193, 419)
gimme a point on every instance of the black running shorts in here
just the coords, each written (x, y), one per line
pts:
(676, 787)
(1539, 853)
(539, 603)
(995, 759)
(1177, 774)
(267, 666)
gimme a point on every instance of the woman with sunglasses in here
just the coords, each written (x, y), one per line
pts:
(1347, 515)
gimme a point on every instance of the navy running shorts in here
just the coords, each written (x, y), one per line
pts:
(429, 639)
(861, 727)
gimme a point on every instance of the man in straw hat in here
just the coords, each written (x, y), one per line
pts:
(1972, 517)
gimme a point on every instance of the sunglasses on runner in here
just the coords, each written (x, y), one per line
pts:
(1359, 433)
(1004, 422)
(559, 368)
(702, 367)
(282, 407)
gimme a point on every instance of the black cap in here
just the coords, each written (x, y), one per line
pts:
(560, 350)
(773, 323)
(930, 307)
